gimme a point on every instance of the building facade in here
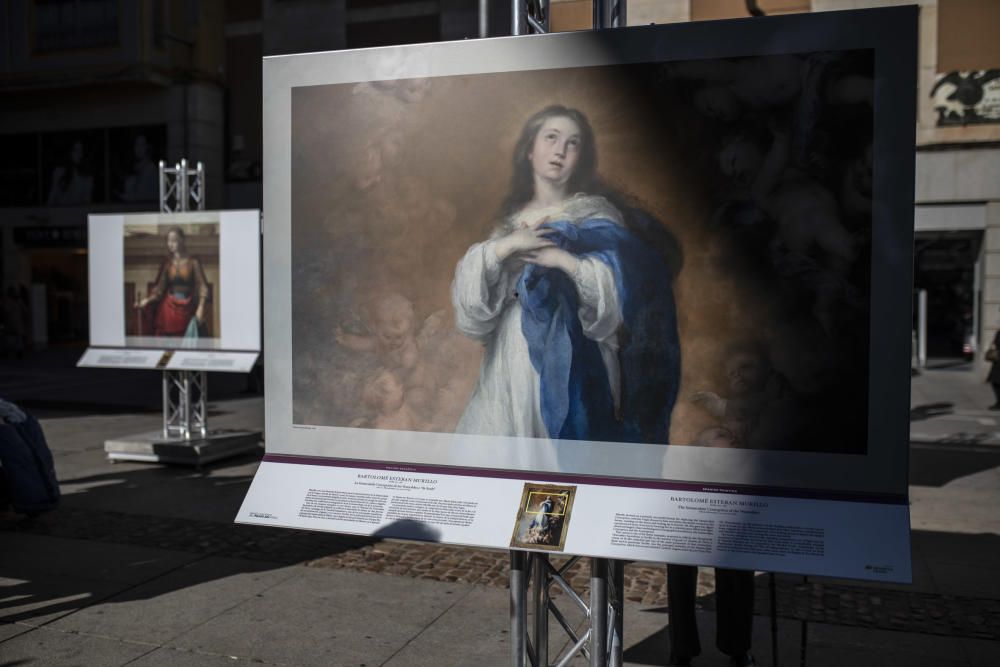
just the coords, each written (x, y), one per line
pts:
(957, 207)
(93, 93)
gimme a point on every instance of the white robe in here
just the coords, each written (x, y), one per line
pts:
(506, 400)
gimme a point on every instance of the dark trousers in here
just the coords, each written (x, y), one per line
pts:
(996, 391)
(733, 611)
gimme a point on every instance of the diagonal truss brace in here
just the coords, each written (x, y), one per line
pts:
(185, 414)
(182, 188)
(600, 643)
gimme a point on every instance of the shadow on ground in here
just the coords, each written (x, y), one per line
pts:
(939, 465)
(159, 520)
(922, 412)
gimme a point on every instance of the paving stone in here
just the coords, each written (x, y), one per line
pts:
(478, 622)
(170, 657)
(43, 646)
(40, 600)
(175, 603)
(9, 630)
(338, 617)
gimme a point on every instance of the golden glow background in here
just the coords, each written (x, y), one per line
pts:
(393, 181)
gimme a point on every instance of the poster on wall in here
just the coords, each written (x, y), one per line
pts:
(667, 266)
(73, 168)
(134, 153)
(164, 283)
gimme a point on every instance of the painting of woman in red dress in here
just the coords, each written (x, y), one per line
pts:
(175, 305)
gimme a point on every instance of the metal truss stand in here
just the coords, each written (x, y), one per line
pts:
(185, 437)
(181, 186)
(599, 640)
(186, 415)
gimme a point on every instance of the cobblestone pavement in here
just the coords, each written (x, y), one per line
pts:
(812, 601)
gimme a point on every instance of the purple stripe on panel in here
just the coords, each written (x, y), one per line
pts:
(597, 480)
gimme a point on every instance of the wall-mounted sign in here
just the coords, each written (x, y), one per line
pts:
(967, 98)
(51, 237)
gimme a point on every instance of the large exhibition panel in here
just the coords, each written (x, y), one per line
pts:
(634, 293)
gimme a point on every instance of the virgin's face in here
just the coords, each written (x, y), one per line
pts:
(175, 243)
(556, 150)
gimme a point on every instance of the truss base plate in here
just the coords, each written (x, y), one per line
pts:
(154, 447)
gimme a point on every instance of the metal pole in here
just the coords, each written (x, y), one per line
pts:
(546, 15)
(186, 405)
(518, 609)
(540, 595)
(977, 288)
(202, 403)
(519, 18)
(598, 612)
(922, 328)
(609, 14)
(200, 174)
(163, 189)
(166, 404)
(774, 619)
(618, 604)
(484, 18)
(182, 185)
(804, 637)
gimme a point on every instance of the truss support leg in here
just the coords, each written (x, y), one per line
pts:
(598, 612)
(540, 596)
(185, 403)
(518, 608)
(617, 604)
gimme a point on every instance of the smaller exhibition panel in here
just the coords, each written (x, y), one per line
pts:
(635, 293)
(177, 291)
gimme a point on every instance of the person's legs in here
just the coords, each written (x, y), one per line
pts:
(734, 611)
(682, 588)
(996, 394)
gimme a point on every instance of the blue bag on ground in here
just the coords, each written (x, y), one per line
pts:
(28, 470)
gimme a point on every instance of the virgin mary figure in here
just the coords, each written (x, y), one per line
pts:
(571, 296)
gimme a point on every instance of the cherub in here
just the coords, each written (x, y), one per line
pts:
(758, 398)
(393, 339)
(385, 396)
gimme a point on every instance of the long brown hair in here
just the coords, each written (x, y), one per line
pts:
(522, 183)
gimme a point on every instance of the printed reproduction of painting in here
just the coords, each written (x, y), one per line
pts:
(171, 276)
(543, 517)
(660, 253)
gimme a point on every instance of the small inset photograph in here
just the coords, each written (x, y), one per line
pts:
(543, 517)
(171, 284)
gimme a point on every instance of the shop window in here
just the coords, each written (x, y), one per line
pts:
(387, 22)
(63, 25)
